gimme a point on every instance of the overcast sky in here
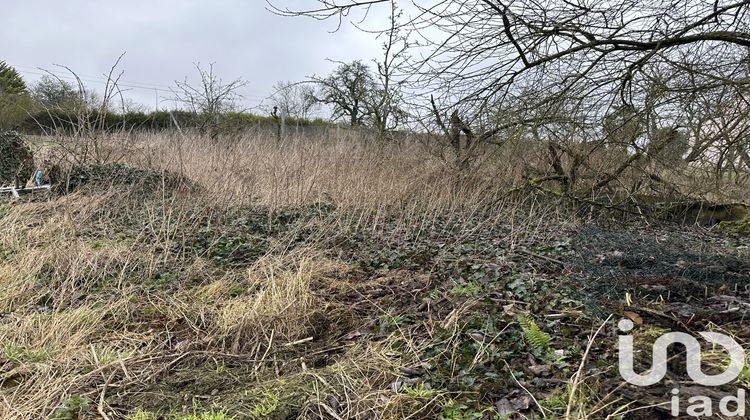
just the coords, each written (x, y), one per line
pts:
(162, 39)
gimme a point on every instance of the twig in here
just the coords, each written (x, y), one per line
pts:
(268, 349)
(575, 380)
(100, 407)
(302, 341)
(542, 409)
(543, 257)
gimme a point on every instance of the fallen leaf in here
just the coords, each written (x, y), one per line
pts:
(637, 320)
(504, 408)
(541, 370)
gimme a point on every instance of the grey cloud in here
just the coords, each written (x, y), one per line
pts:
(163, 38)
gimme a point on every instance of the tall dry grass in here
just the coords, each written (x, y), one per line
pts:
(410, 184)
(414, 175)
(350, 172)
(84, 314)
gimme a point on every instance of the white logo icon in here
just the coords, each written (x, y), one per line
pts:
(700, 405)
(659, 363)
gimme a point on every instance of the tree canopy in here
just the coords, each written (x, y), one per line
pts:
(596, 55)
(53, 93)
(15, 101)
(11, 82)
(580, 75)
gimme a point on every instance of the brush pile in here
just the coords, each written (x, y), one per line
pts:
(17, 159)
(116, 174)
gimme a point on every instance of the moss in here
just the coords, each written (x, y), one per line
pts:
(740, 227)
(235, 393)
(142, 415)
(207, 415)
(275, 399)
(556, 400)
(75, 407)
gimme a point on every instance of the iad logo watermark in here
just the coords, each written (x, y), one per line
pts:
(700, 405)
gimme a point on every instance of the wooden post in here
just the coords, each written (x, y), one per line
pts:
(275, 116)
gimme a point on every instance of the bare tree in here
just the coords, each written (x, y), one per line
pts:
(566, 67)
(387, 99)
(209, 99)
(83, 132)
(573, 43)
(355, 94)
(295, 100)
(348, 91)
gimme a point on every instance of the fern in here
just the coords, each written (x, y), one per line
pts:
(537, 339)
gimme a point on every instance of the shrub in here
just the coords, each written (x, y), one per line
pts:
(17, 159)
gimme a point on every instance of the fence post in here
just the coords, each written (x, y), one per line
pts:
(275, 116)
(282, 127)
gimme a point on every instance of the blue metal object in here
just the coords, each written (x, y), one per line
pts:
(38, 178)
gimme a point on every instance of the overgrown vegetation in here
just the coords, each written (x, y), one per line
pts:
(49, 122)
(14, 97)
(475, 267)
(335, 280)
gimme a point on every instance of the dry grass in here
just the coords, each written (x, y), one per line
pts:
(348, 172)
(80, 318)
(104, 299)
